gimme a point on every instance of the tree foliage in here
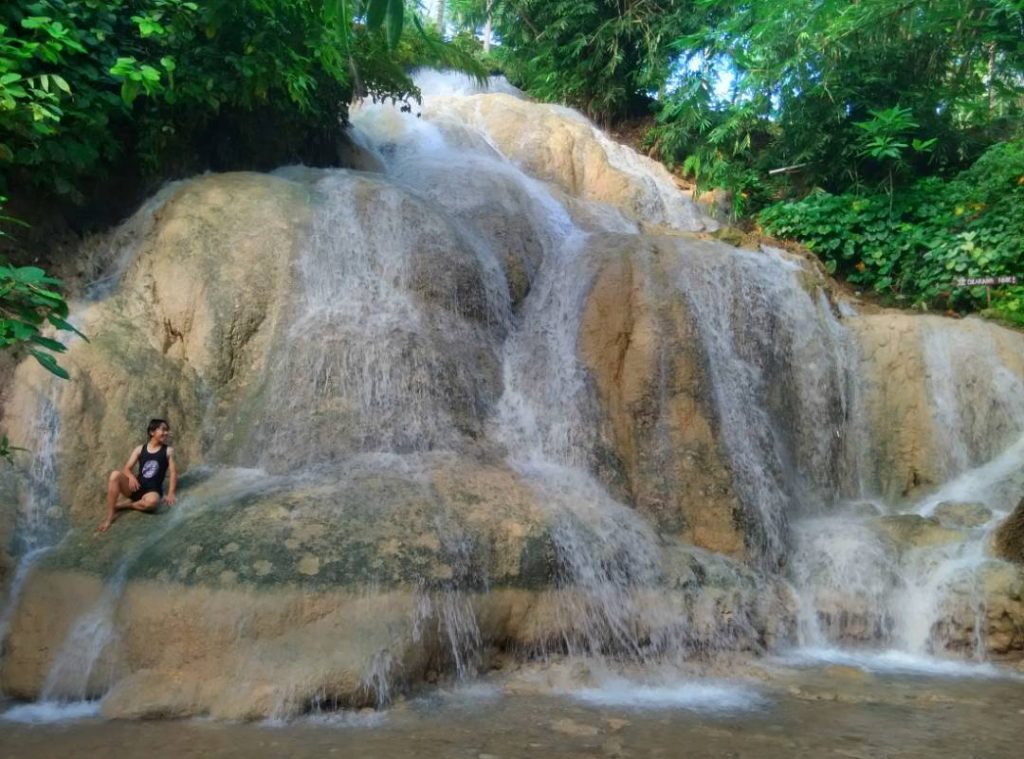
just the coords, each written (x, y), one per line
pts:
(917, 245)
(605, 57)
(874, 110)
(29, 300)
(805, 76)
(85, 84)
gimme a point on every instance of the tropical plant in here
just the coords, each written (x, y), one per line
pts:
(919, 246)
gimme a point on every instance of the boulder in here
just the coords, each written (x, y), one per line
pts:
(959, 514)
(912, 531)
(196, 334)
(258, 596)
(1008, 541)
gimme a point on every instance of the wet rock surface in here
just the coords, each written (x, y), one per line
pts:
(956, 514)
(1009, 536)
(928, 424)
(642, 347)
(377, 579)
(912, 531)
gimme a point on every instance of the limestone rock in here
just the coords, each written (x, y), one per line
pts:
(412, 568)
(1009, 536)
(955, 514)
(199, 303)
(1002, 590)
(919, 440)
(640, 344)
(562, 147)
(911, 531)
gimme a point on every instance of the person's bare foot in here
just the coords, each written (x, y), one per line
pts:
(105, 524)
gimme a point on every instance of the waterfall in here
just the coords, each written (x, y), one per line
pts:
(546, 414)
(431, 323)
(776, 364)
(862, 585)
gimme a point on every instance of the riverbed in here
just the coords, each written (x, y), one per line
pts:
(773, 710)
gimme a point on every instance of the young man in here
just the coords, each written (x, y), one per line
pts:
(155, 459)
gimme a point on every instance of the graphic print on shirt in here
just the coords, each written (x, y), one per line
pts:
(149, 469)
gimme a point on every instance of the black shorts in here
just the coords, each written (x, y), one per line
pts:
(143, 489)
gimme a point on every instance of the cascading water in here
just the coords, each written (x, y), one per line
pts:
(546, 417)
(888, 574)
(40, 523)
(774, 360)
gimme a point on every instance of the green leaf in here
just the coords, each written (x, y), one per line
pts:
(36, 22)
(49, 363)
(66, 326)
(396, 11)
(49, 344)
(61, 83)
(29, 274)
(376, 11)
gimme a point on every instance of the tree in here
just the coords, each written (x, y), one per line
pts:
(803, 74)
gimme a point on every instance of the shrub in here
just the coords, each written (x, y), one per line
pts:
(912, 247)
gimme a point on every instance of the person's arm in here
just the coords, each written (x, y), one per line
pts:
(172, 471)
(133, 483)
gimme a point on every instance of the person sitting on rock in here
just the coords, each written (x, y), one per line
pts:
(155, 459)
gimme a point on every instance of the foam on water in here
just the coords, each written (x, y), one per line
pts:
(365, 719)
(51, 712)
(707, 696)
(993, 483)
(893, 661)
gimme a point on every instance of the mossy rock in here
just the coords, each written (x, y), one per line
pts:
(372, 529)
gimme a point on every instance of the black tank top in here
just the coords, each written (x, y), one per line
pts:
(152, 469)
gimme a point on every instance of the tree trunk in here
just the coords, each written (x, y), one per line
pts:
(487, 32)
(991, 77)
(439, 18)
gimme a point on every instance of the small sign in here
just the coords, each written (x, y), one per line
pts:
(989, 281)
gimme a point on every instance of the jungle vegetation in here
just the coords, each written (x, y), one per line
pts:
(886, 135)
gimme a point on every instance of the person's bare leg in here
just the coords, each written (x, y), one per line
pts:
(117, 485)
(148, 502)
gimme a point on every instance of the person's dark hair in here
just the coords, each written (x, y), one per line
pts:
(154, 425)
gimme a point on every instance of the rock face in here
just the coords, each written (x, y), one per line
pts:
(564, 148)
(271, 340)
(377, 579)
(640, 344)
(941, 397)
(1009, 536)
(197, 310)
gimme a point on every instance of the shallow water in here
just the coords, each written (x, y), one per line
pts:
(835, 711)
